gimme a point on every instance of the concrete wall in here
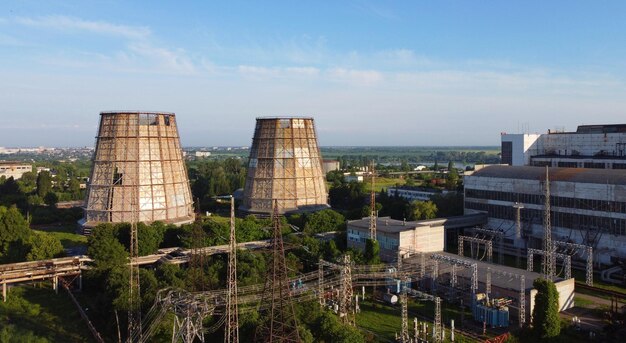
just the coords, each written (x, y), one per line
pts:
(566, 296)
(524, 146)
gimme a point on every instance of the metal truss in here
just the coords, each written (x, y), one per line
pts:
(567, 261)
(462, 263)
(581, 249)
(488, 245)
(499, 235)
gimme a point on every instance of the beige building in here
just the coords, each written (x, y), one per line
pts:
(138, 171)
(14, 169)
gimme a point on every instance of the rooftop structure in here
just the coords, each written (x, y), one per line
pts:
(285, 164)
(138, 171)
(412, 193)
(590, 146)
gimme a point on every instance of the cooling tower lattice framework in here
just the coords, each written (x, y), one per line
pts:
(138, 169)
(285, 164)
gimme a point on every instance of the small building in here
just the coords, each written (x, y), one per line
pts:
(414, 193)
(202, 154)
(330, 165)
(353, 178)
(14, 169)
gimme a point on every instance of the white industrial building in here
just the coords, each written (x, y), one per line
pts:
(414, 193)
(588, 206)
(396, 235)
(590, 146)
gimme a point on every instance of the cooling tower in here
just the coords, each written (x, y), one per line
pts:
(285, 164)
(138, 168)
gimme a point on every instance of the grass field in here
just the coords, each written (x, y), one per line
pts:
(382, 182)
(383, 320)
(66, 234)
(37, 314)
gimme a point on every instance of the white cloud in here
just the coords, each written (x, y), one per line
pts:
(360, 77)
(77, 24)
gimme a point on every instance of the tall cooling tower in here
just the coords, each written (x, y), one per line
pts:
(138, 168)
(286, 165)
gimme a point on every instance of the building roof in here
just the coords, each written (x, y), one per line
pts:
(14, 163)
(578, 175)
(388, 225)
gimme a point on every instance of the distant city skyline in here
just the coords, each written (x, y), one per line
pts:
(371, 73)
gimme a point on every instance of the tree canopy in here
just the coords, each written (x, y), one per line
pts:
(546, 322)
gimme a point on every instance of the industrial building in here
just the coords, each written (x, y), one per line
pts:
(590, 146)
(284, 165)
(14, 169)
(138, 171)
(410, 193)
(396, 235)
(588, 206)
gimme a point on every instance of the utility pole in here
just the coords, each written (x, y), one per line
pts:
(437, 322)
(232, 317)
(548, 256)
(373, 215)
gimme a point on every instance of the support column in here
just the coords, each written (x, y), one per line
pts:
(55, 284)
(4, 292)
(80, 282)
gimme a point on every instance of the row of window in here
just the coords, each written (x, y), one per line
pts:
(558, 219)
(588, 165)
(524, 198)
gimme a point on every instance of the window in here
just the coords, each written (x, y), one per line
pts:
(166, 119)
(117, 177)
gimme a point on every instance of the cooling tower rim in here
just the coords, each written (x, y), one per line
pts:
(136, 112)
(284, 117)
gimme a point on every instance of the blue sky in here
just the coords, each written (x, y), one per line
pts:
(369, 72)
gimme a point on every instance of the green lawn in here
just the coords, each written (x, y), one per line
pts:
(384, 320)
(66, 234)
(382, 182)
(37, 314)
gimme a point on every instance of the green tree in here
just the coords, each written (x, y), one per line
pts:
(324, 221)
(106, 250)
(51, 199)
(73, 188)
(418, 210)
(14, 235)
(372, 252)
(546, 322)
(44, 246)
(44, 183)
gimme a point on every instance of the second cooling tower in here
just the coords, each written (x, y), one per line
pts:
(285, 165)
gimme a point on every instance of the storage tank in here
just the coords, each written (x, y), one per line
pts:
(390, 298)
(285, 164)
(138, 171)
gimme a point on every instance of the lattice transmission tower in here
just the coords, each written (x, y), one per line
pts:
(134, 289)
(232, 317)
(280, 324)
(346, 310)
(405, 337)
(548, 256)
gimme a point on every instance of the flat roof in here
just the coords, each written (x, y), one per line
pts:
(579, 175)
(10, 163)
(388, 225)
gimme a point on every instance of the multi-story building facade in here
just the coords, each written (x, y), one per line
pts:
(588, 206)
(14, 169)
(591, 146)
